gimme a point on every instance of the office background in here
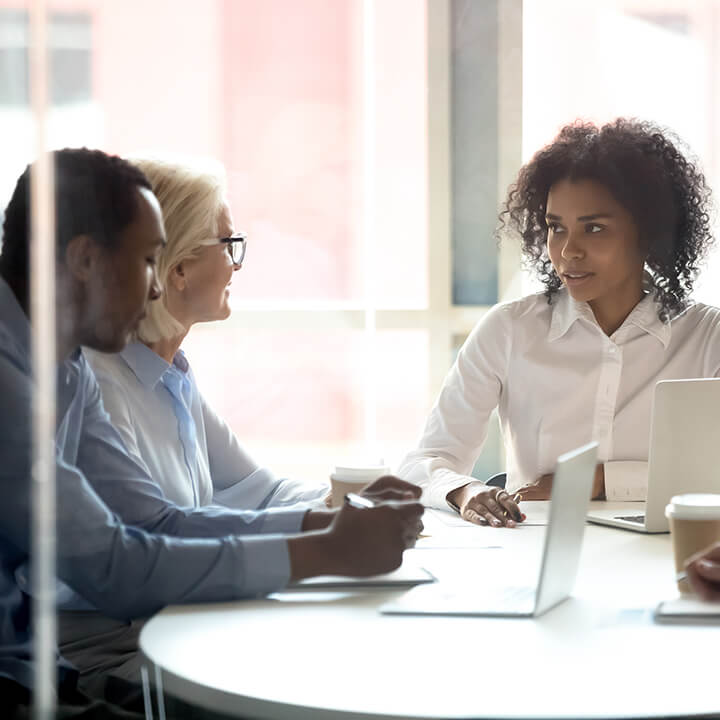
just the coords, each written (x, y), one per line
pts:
(368, 145)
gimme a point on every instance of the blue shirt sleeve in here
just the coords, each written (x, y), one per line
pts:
(124, 571)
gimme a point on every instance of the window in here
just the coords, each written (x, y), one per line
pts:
(70, 58)
(652, 59)
(368, 146)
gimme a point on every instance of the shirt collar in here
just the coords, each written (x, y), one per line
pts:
(13, 316)
(565, 312)
(148, 366)
(644, 315)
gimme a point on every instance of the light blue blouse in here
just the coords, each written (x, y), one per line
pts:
(187, 449)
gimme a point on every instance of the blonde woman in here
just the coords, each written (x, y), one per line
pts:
(149, 389)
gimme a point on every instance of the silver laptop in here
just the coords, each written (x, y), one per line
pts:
(571, 490)
(684, 454)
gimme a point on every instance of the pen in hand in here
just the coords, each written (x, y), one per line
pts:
(358, 501)
(516, 499)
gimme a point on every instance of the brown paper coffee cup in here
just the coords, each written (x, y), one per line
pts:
(348, 479)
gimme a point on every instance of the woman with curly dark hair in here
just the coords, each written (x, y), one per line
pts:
(614, 220)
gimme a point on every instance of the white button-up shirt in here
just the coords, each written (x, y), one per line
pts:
(558, 382)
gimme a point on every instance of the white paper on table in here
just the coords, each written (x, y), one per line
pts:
(688, 609)
(407, 575)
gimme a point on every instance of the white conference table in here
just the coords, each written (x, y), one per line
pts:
(313, 655)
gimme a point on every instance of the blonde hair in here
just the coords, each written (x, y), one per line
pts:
(191, 194)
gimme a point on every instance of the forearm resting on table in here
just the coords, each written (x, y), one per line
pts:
(317, 520)
(312, 554)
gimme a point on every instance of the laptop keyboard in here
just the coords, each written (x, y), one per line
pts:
(640, 519)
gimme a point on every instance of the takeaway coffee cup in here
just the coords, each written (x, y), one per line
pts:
(353, 478)
(694, 525)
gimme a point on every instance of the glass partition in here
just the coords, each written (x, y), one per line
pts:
(367, 146)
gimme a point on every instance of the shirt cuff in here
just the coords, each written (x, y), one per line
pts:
(442, 483)
(266, 564)
(626, 480)
(283, 521)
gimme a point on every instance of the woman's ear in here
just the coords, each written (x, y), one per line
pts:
(176, 277)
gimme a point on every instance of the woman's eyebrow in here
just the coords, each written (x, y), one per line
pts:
(594, 216)
(581, 218)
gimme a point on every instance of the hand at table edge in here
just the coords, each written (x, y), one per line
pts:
(359, 541)
(483, 504)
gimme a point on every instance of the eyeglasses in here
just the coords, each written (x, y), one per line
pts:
(236, 245)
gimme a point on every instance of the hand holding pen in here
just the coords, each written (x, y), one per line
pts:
(486, 505)
(361, 502)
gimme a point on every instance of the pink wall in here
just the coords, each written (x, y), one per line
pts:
(287, 79)
(273, 89)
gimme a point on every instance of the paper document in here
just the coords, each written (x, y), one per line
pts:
(406, 575)
(687, 609)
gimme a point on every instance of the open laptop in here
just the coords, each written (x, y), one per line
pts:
(571, 490)
(684, 454)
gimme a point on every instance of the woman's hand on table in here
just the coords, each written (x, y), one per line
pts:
(486, 505)
(359, 541)
(703, 573)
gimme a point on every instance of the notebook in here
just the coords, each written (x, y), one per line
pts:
(687, 609)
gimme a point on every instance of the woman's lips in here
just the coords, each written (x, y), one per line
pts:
(576, 278)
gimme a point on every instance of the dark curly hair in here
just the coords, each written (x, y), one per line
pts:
(95, 194)
(644, 169)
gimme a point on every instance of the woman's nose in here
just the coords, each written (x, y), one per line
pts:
(571, 248)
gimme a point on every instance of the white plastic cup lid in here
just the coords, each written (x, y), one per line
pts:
(694, 506)
(360, 472)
